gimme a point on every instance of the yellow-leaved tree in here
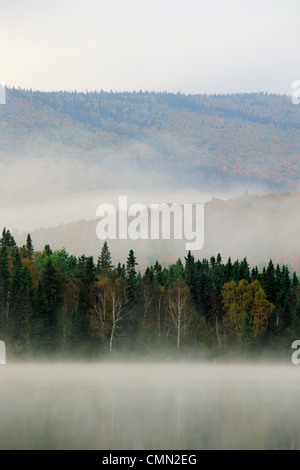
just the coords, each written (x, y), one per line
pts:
(244, 300)
(261, 309)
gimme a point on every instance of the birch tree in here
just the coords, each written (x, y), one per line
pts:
(180, 309)
(107, 298)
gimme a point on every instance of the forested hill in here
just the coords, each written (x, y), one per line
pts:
(252, 226)
(218, 140)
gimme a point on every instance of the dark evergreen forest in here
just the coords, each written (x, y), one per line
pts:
(53, 303)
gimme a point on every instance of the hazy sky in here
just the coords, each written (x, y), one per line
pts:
(193, 46)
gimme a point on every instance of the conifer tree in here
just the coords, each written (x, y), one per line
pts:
(268, 282)
(158, 274)
(7, 239)
(38, 322)
(52, 289)
(104, 260)
(189, 272)
(29, 247)
(295, 282)
(131, 276)
(121, 271)
(228, 271)
(27, 305)
(48, 250)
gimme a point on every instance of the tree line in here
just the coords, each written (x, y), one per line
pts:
(146, 108)
(55, 303)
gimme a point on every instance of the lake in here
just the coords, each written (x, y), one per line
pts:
(151, 406)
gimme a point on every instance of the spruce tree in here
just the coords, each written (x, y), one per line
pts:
(189, 272)
(158, 274)
(255, 274)
(179, 270)
(121, 271)
(7, 239)
(268, 282)
(48, 250)
(228, 271)
(52, 288)
(29, 247)
(104, 260)
(171, 277)
(131, 276)
(244, 270)
(295, 282)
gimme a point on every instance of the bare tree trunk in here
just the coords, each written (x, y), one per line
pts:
(178, 337)
(116, 317)
(111, 338)
(158, 318)
(180, 312)
(217, 332)
(179, 320)
(147, 303)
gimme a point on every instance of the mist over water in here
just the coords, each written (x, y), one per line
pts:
(160, 406)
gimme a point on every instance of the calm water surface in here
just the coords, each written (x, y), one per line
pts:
(149, 406)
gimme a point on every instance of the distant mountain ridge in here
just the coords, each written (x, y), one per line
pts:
(217, 141)
(257, 227)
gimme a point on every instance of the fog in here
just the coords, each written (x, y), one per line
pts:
(55, 199)
(149, 406)
(257, 227)
(46, 192)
